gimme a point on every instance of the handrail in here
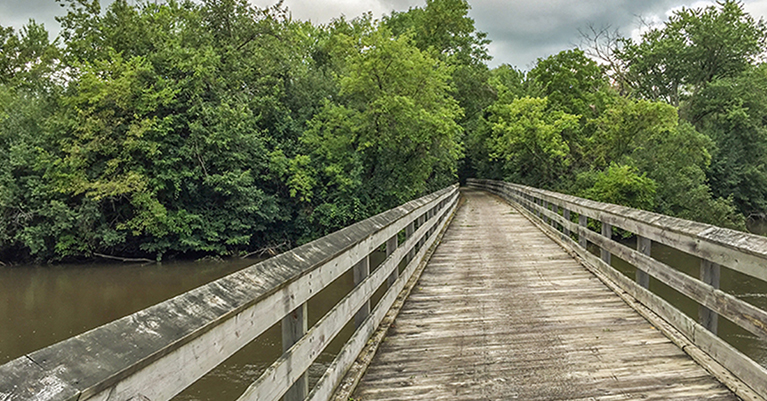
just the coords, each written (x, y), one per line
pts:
(742, 252)
(155, 353)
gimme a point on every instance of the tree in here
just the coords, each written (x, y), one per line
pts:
(28, 59)
(571, 81)
(733, 111)
(392, 136)
(620, 185)
(694, 47)
(527, 138)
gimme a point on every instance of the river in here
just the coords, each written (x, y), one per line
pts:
(40, 306)
(43, 305)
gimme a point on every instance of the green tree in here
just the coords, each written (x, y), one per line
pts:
(733, 111)
(572, 82)
(528, 139)
(693, 48)
(392, 137)
(620, 185)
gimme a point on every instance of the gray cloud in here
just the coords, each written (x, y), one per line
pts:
(524, 31)
(17, 13)
(521, 31)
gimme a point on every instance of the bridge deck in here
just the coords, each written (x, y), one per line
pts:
(502, 312)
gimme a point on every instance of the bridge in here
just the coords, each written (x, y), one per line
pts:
(488, 292)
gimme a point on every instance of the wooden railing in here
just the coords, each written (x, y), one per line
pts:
(155, 353)
(715, 246)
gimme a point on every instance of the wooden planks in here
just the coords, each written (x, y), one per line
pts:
(739, 372)
(502, 312)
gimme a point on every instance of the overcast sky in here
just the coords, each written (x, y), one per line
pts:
(521, 31)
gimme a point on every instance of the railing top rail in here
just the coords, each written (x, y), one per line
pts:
(93, 361)
(744, 252)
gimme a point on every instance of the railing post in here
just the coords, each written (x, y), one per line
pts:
(409, 230)
(432, 213)
(644, 245)
(294, 326)
(709, 274)
(555, 209)
(362, 270)
(566, 215)
(607, 232)
(583, 222)
(545, 206)
(391, 245)
(421, 221)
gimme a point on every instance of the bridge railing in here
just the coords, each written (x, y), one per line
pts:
(155, 353)
(568, 216)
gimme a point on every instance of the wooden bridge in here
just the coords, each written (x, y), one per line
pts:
(490, 295)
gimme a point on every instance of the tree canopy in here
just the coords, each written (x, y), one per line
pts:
(185, 128)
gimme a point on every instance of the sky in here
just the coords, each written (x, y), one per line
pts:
(521, 31)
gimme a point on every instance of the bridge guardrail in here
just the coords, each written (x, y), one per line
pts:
(715, 246)
(155, 353)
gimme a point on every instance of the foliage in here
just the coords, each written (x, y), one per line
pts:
(571, 81)
(216, 127)
(621, 185)
(693, 48)
(393, 136)
(189, 128)
(733, 111)
(528, 140)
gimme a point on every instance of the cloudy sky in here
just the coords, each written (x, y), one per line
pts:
(521, 30)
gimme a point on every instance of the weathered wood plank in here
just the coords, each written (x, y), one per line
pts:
(607, 232)
(294, 326)
(494, 318)
(391, 245)
(644, 246)
(740, 312)
(301, 353)
(740, 373)
(710, 273)
(361, 270)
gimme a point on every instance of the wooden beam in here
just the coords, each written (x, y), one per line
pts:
(607, 232)
(583, 222)
(294, 326)
(644, 246)
(391, 246)
(361, 271)
(710, 274)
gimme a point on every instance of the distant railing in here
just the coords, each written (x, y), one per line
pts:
(715, 246)
(155, 353)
